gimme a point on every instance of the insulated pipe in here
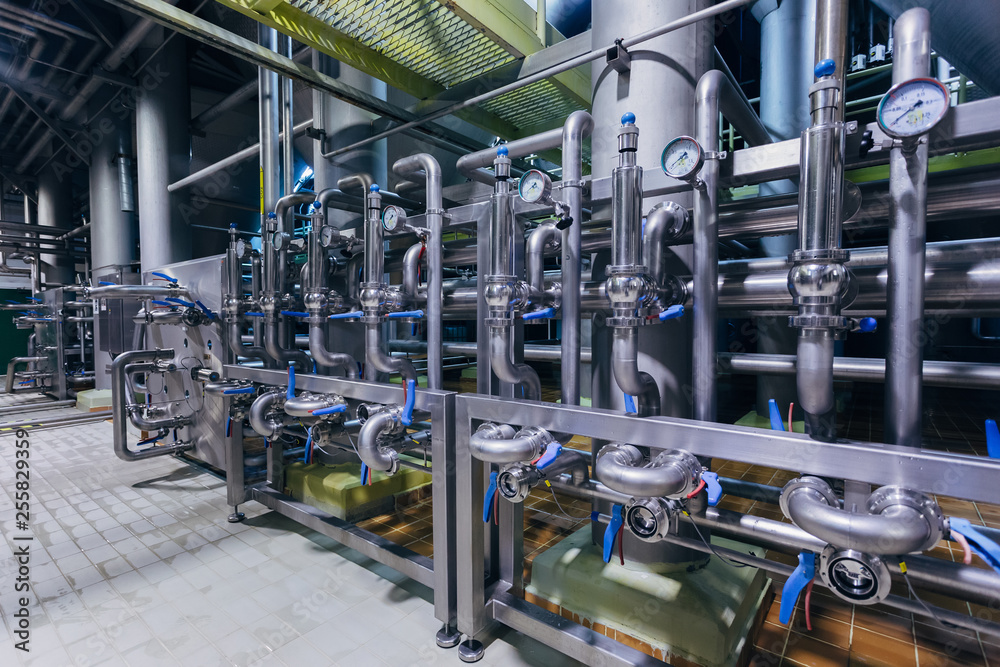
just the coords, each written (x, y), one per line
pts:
(259, 421)
(134, 360)
(675, 473)
(714, 93)
(907, 241)
(495, 443)
(578, 126)
(894, 522)
(376, 456)
(405, 168)
(12, 369)
(544, 236)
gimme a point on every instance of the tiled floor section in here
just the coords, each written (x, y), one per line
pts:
(134, 564)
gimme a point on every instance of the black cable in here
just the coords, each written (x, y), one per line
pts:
(906, 578)
(708, 544)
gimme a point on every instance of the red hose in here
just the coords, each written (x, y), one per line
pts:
(790, 407)
(809, 590)
(621, 542)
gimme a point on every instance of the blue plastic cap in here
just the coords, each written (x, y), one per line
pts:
(374, 188)
(317, 205)
(272, 216)
(867, 324)
(825, 68)
(628, 118)
(232, 225)
(502, 151)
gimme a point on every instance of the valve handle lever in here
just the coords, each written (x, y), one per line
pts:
(801, 576)
(491, 491)
(411, 398)
(407, 313)
(334, 409)
(672, 313)
(713, 486)
(165, 277)
(992, 439)
(205, 309)
(549, 456)
(186, 304)
(611, 531)
(290, 392)
(983, 546)
(364, 473)
(238, 390)
(543, 314)
(772, 409)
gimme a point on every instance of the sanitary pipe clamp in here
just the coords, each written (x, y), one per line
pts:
(652, 519)
(856, 577)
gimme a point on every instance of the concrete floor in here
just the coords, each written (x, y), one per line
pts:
(135, 564)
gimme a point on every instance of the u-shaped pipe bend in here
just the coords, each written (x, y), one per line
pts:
(894, 521)
(672, 473)
(498, 443)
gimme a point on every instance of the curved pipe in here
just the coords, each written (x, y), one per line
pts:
(404, 168)
(617, 467)
(625, 366)
(411, 271)
(360, 181)
(897, 530)
(303, 405)
(324, 357)
(666, 222)
(237, 346)
(274, 350)
(473, 165)
(134, 360)
(495, 443)
(372, 453)
(508, 371)
(12, 369)
(383, 362)
(259, 421)
(544, 236)
(283, 205)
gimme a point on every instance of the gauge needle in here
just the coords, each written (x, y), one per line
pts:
(682, 156)
(916, 105)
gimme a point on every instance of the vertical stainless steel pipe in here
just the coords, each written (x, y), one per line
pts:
(287, 121)
(907, 241)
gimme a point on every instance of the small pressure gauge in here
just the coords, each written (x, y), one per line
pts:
(682, 158)
(393, 218)
(913, 108)
(535, 187)
(278, 240)
(327, 236)
(241, 248)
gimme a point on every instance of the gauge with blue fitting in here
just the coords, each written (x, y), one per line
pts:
(241, 248)
(912, 108)
(682, 158)
(393, 218)
(535, 187)
(327, 236)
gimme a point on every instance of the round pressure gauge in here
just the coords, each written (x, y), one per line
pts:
(534, 187)
(682, 158)
(913, 107)
(241, 248)
(327, 236)
(393, 218)
(278, 240)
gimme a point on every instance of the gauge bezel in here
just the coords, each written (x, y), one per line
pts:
(899, 86)
(241, 248)
(699, 163)
(546, 194)
(278, 240)
(400, 217)
(323, 231)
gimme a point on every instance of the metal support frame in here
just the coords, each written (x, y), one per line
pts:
(440, 574)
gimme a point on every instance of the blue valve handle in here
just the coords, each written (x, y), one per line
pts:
(491, 491)
(290, 392)
(164, 276)
(205, 309)
(364, 473)
(543, 314)
(294, 313)
(229, 427)
(630, 404)
(411, 397)
(345, 316)
(984, 547)
(252, 314)
(105, 282)
(407, 313)
(186, 304)
(237, 390)
(801, 576)
(672, 313)
(309, 442)
(157, 302)
(776, 423)
(611, 531)
(713, 487)
(333, 409)
(992, 439)
(35, 299)
(549, 456)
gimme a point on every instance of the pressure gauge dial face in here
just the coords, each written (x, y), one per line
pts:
(682, 158)
(535, 187)
(913, 108)
(278, 240)
(241, 248)
(327, 236)
(393, 218)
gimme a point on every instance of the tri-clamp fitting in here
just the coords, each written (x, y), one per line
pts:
(818, 281)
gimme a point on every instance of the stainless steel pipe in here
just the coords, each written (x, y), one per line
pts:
(135, 360)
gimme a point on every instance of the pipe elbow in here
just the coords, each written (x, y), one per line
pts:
(578, 125)
(894, 521)
(672, 474)
(377, 427)
(324, 357)
(260, 422)
(498, 443)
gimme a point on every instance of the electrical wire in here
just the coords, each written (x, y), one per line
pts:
(559, 505)
(708, 544)
(913, 593)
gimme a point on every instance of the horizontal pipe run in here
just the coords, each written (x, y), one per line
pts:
(57, 421)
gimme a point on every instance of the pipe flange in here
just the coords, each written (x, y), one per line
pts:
(682, 221)
(856, 577)
(495, 431)
(818, 322)
(686, 462)
(806, 484)
(887, 497)
(652, 519)
(515, 481)
(837, 255)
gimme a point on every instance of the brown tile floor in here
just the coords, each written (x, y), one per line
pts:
(842, 634)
